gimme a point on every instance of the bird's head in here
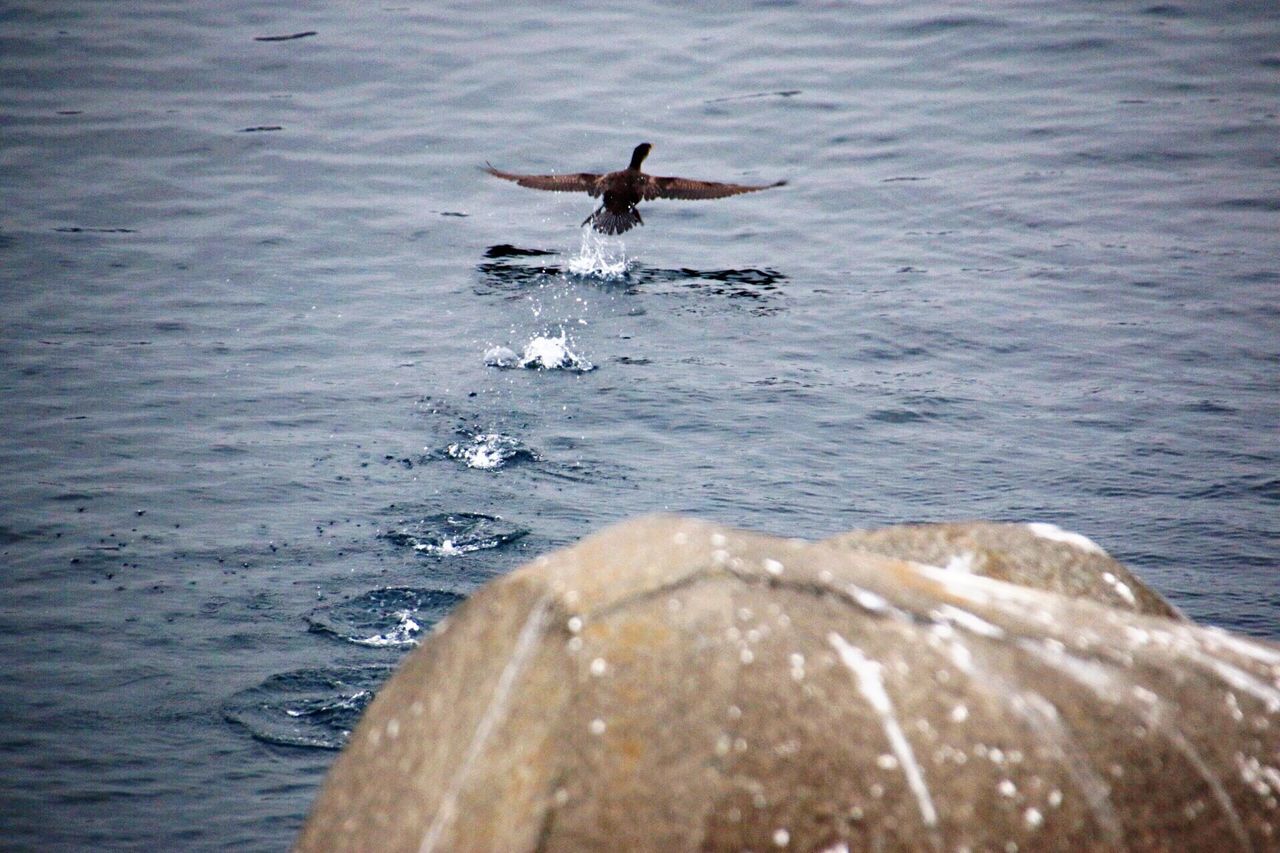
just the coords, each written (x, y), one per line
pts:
(641, 152)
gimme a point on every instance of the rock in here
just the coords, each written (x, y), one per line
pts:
(1038, 555)
(672, 685)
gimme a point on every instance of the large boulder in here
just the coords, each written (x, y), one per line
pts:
(672, 685)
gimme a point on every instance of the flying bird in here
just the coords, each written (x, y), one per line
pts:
(624, 189)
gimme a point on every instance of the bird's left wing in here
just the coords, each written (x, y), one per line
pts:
(686, 188)
(581, 182)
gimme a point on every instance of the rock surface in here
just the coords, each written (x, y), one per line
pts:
(1042, 556)
(672, 685)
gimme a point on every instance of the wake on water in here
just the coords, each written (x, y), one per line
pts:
(600, 259)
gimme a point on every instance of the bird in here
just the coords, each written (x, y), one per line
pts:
(625, 188)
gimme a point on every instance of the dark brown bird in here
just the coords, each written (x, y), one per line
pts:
(624, 189)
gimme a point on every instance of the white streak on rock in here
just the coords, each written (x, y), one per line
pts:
(867, 600)
(976, 589)
(1043, 719)
(1105, 685)
(871, 685)
(1096, 676)
(1243, 647)
(970, 622)
(1238, 678)
(1057, 534)
(521, 653)
(1121, 588)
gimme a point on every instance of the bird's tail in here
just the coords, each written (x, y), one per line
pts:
(607, 222)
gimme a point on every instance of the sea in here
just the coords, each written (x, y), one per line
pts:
(285, 375)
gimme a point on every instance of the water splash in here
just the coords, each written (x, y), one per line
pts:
(548, 353)
(600, 258)
(489, 451)
(543, 352)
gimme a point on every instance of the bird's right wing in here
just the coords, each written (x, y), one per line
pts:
(686, 188)
(582, 182)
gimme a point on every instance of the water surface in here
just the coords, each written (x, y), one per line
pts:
(257, 301)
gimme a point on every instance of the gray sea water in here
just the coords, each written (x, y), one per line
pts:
(262, 316)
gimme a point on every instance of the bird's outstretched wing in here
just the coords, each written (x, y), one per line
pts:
(690, 189)
(582, 182)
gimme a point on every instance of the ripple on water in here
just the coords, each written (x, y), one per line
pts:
(450, 534)
(313, 708)
(392, 617)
